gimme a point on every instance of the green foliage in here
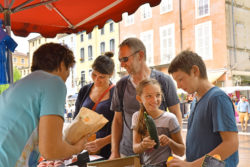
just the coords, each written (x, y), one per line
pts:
(16, 76)
(3, 88)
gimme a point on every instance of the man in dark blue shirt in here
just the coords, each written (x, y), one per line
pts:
(211, 125)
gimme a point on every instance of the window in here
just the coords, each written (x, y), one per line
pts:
(102, 31)
(203, 40)
(89, 35)
(166, 6)
(90, 54)
(82, 38)
(102, 47)
(90, 73)
(128, 19)
(147, 38)
(146, 11)
(39, 41)
(82, 54)
(167, 43)
(22, 61)
(111, 27)
(202, 8)
(83, 81)
(14, 60)
(112, 45)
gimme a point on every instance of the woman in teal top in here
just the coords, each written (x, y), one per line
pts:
(31, 111)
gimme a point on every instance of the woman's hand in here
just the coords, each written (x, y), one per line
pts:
(147, 143)
(95, 145)
(164, 140)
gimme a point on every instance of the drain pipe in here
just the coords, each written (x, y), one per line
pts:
(234, 44)
(180, 22)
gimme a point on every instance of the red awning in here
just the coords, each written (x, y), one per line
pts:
(50, 17)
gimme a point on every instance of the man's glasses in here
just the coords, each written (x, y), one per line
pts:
(125, 59)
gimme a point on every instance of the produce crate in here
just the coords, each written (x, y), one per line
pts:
(131, 161)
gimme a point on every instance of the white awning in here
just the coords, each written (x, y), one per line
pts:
(244, 73)
(214, 76)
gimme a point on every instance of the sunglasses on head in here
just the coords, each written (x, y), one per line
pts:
(125, 59)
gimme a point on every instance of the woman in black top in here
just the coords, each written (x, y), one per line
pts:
(103, 68)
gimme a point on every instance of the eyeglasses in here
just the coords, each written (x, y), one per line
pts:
(125, 59)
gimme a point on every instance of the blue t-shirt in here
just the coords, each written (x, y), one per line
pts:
(212, 114)
(21, 107)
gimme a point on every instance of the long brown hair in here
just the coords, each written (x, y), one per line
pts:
(141, 125)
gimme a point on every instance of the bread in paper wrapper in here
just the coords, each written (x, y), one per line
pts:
(86, 122)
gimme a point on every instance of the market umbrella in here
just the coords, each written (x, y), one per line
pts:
(50, 17)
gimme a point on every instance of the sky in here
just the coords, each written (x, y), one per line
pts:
(23, 45)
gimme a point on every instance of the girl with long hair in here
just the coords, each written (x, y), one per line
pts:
(149, 95)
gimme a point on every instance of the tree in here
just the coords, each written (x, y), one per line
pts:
(16, 76)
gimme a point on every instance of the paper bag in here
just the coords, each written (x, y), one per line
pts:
(87, 122)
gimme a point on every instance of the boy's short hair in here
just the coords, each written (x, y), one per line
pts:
(185, 60)
(49, 56)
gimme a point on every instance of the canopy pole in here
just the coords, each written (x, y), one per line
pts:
(8, 30)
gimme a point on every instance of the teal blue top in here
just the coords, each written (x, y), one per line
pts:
(212, 114)
(21, 107)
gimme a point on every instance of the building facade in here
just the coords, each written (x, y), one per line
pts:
(70, 42)
(21, 62)
(199, 25)
(93, 44)
(86, 47)
(238, 39)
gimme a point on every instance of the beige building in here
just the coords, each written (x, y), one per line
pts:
(91, 45)
(21, 62)
(86, 47)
